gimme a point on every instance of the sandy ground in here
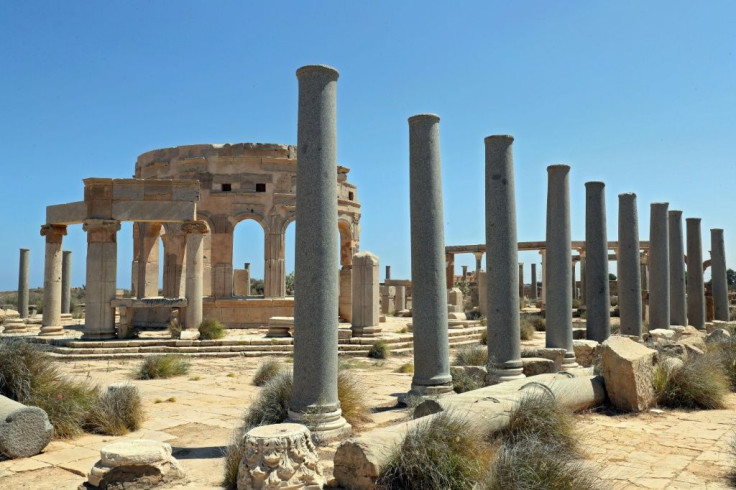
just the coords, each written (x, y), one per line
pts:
(197, 413)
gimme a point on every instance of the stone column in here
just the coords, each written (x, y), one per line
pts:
(659, 267)
(629, 266)
(597, 288)
(399, 298)
(482, 293)
(450, 262)
(429, 286)
(543, 255)
(718, 274)
(678, 301)
(102, 258)
(365, 295)
(66, 281)
(534, 282)
(23, 268)
(388, 273)
(574, 285)
(246, 267)
(521, 280)
(583, 275)
(503, 269)
(465, 273)
(195, 231)
(314, 400)
(174, 262)
(478, 260)
(695, 283)
(51, 323)
(274, 282)
(148, 236)
(557, 269)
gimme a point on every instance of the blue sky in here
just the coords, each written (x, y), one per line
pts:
(637, 94)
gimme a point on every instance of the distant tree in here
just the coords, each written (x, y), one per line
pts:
(611, 277)
(256, 287)
(290, 284)
(731, 278)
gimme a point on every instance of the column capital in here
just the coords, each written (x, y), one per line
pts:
(196, 226)
(53, 233)
(101, 230)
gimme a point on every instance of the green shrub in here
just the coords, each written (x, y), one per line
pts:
(526, 330)
(439, 453)
(701, 382)
(211, 329)
(118, 411)
(162, 366)
(379, 350)
(531, 463)
(266, 372)
(474, 355)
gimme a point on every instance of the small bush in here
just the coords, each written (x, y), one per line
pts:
(527, 330)
(462, 382)
(442, 452)
(406, 368)
(266, 372)
(379, 350)
(539, 323)
(211, 329)
(174, 329)
(352, 399)
(530, 463)
(474, 355)
(540, 415)
(700, 383)
(484, 337)
(162, 366)
(117, 412)
(725, 352)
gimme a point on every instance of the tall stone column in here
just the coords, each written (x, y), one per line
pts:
(521, 280)
(718, 274)
(274, 283)
(574, 285)
(399, 298)
(534, 282)
(478, 260)
(23, 269)
(450, 262)
(583, 277)
(174, 262)
(465, 273)
(51, 323)
(503, 268)
(314, 400)
(365, 295)
(678, 301)
(148, 236)
(597, 288)
(388, 272)
(429, 286)
(629, 266)
(557, 269)
(195, 231)
(695, 282)
(66, 281)
(543, 255)
(102, 258)
(482, 294)
(659, 267)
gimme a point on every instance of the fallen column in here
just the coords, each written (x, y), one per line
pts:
(359, 461)
(24, 431)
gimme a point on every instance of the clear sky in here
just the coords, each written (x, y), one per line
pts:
(640, 95)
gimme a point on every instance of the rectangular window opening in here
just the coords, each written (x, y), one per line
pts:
(260, 187)
(226, 187)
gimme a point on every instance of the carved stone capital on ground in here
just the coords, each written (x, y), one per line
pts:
(101, 230)
(194, 227)
(279, 456)
(53, 233)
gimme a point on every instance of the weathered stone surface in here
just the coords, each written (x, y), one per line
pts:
(533, 366)
(553, 354)
(586, 351)
(24, 431)
(280, 456)
(628, 369)
(662, 335)
(478, 373)
(717, 336)
(136, 451)
(134, 464)
(280, 326)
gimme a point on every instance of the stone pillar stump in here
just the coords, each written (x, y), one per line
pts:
(23, 268)
(365, 294)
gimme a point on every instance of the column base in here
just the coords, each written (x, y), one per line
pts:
(325, 426)
(99, 336)
(189, 334)
(569, 361)
(51, 330)
(501, 375)
(430, 390)
(372, 331)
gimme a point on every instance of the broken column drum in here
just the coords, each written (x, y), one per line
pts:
(314, 399)
(695, 284)
(659, 268)
(502, 274)
(23, 268)
(51, 323)
(557, 272)
(428, 274)
(365, 284)
(629, 266)
(718, 274)
(678, 301)
(597, 289)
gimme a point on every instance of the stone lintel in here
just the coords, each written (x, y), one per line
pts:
(66, 214)
(158, 211)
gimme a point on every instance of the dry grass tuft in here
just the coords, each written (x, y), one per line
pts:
(162, 366)
(379, 350)
(701, 382)
(527, 330)
(119, 410)
(266, 372)
(406, 368)
(540, 415)
(474, 355)
(211, 329)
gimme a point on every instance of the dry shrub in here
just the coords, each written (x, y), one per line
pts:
(462, 381)
(118, 411)
(540, 415)
(211, 329)
(701, 382)
(526, 330)
(538, 322)
(440, 452)
(474, 355)
(379, 350)
(352, 399)
(266, 372)
(162, 366)
(406, 368)
(484, 337)
(174, 327)
(725, 352)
